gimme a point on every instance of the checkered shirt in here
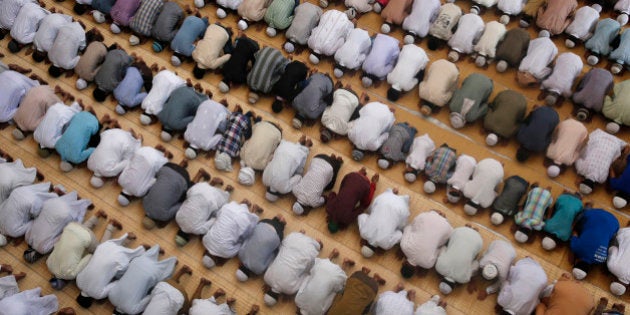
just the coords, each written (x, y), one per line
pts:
(538, 200)
(442, 161)
(142, 22)
(237, 128)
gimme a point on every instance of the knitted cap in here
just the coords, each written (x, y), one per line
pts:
(492, 139)
(223, 162)
(246, 176)
(366, 251)
(617, 288)
(96, 181)
(490, 272)
(619, 202)
(612, 127)
(457, 120)
(496, 218)
(548, 243)
(553, 171)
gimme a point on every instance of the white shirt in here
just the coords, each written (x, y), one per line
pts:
(29, 302)
(197, 212)
(233, 225)
(583, 24)
(520, 293)
(48, 30)
(330, 33)
(423, 13)
(110, 260)
(501, 254)
(568, 67)
(50, 128)
(139, 175)
(9, 9)
(24, 204)
(337, 116)
(540, 54)
(356, 47)
(391, 302)
(202, 132)
(113, 152)
(412, 59)
(458, 260)
(27, 22)
(165, 300)
(601, 150)
(492, 35)
(370, 130)
(469, 29)
(56, 213)
(622, 6)
(290, 268)
(210, 307)
(318, 290)
(464, 168)
(431, 307)
(422, 239)
(387, 216)
(64, 52)
(486, 3)
(511, 7)
(164, 83)
(8, 286)
(618, 256)
(481, 189)
(421, 147)
(14, 87)
(13, 175)
(309, 190)
(286, 167)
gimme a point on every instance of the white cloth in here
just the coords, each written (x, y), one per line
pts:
(618, 256)
(337, 116)
(622, 6)
(423, 13)
(318, 290)
(330, 33)
(385, 219)
(130, 294)
(390, 302)
(230, 4)
(210, 307)
(310, 188)
(113, 152)
(14, 87)
(13, 175)
(601, 150)
(583, 24)
(568, 67)
(29, 302)
(64, 52)
(48, 30)
(203, 131)
(51, 127)
(362, 6)
(164, 83)
(24, 204)
(469, 29)
(165, 300)
(27, 22)
(8, 286)
(139, 175)
(458, 260)
(486, 3)
(370, 130)
(9, 10)
(464, 168)
(540, 54)
(197, 213)
(493, 34)
(442, 26)
(285, 169)
(511, 7)
(501, 254)
(422, 239)
(439, 82)
(233, 225)
(412, 59)
(382, 57)
(421, 147)
(294, 261)
(521, 292)
(354, 50)
(56, 213)
(109, 261)
(481, 189)
(431, 307)
(72, 252)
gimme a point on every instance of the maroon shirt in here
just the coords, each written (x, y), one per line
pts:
(355, 194)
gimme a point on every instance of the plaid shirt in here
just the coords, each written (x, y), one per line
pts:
(238, 130)
(538, 200)
(441, 161)
(142, 22)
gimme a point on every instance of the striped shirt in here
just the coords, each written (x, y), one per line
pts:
(9, 10)
(48, 29)
(532, 215)
(267, 69)
(440, 163)
(318, 177)
(27, 23)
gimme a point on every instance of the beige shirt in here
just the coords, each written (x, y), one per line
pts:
(258, 150)
(253, 10)
(70, 256)
(568, 140)
(34, 106)
(440, 82)
(208, 52)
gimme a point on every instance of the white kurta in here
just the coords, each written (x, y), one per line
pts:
(139, 175)
(109, 261)
(521, 292)
(165, 300)
(27, 23)
(233, 225)
(511, 7)
(501, 254)
(13, 175)
(412, 59)
(197, 213)
(583, 24)
(337, 116)
(309, 190)
(464, 168)
(29, 302)
(492, 35)
(50, 128)
(423, 238)
(481, 189)
(203, 131)
(285, 169)
(458, 260)
(318, 290)
(421, 148)
(23, 205)
(294, 261)
(330, 33)
(568, 67)
(387, 216)
(469, 29)
(113, 153)
(8, 286)
(370, 130)
(353, 52)
(431, 307)
(423, 13)
(164, 83)
(56, 213)
(601, 150)
(210, 307)
(48, 29)
(391, 302)
(540, 54)
(618, 256)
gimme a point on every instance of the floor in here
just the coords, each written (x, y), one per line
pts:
(469, 140)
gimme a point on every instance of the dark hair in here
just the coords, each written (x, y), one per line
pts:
(198, 72)
(393, 94)
(522, 154)
(55, 71)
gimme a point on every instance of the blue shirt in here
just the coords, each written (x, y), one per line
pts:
(73, 144)
(128, 92)
(192, 29)
(622, 182)
(595, 229)
(567, 207)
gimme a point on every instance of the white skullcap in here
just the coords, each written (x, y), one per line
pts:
(453, 56)
(592, 60)
(289, 47)
(579, 274)
(445, 288)
(99, 17)
(504, 19)
(65, 166)
(190, 154)
(551, 99)
(338, 73)
(521, 237)
(410, 177)
(313, 59)
(223, 162)
(408, 39)
(544, 33)
(502, 66)
(612, 127)
(145, 119)
(457, 120)
(617, 288)
(453, 198)
(366, 82)
(480, 61)
(616, 68)
(548, 243)
(81, 84)
(366, 251)
(597, 7)
(221, 14)
(622, 19)
(241, 276)
(223, 87)
(271, 32)
(297, 124)
(553, 171)
(385, 28)
(199, 3)
(470, 209)
(490, 272)
(585, 189)
(429, 187)
(569, 43)
(96, 181)
(134, 40)
(269, 300)
(242, 25)
(246, 176)
(3, 240)
(492, 139)
(175, 61)
(123, 201)
(207, 262)
(619, 202)
(166, 136)
(297, 208)
(496, 218)
(383, 163)
(271, 197)
(120, 110)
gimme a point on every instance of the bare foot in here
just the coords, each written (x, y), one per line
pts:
(20, 275)
(131, 236)
(101, 214)
(217, 181)
(205, 281)
(399, 287)
(321, 245)
(246, 202)
(281, 219)
(187, 270)
(366, 270)
(230, 301)
(334, 254)
(257, 209)
(66, 311)
(411, 295)
(303, 231)
(395, 191)
(379, 279)
(218, 293)
(115, 223)
(6, 268)
(375, 178)
(229, 188)
(254, 310)
(347, 262)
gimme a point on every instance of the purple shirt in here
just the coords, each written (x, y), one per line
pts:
(123, 11)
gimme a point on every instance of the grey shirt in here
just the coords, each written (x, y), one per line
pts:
(167, 193)
(508, 201)
(315, 97)
(260, 249)
(112, 70)
(165, 26)
(399, 142)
